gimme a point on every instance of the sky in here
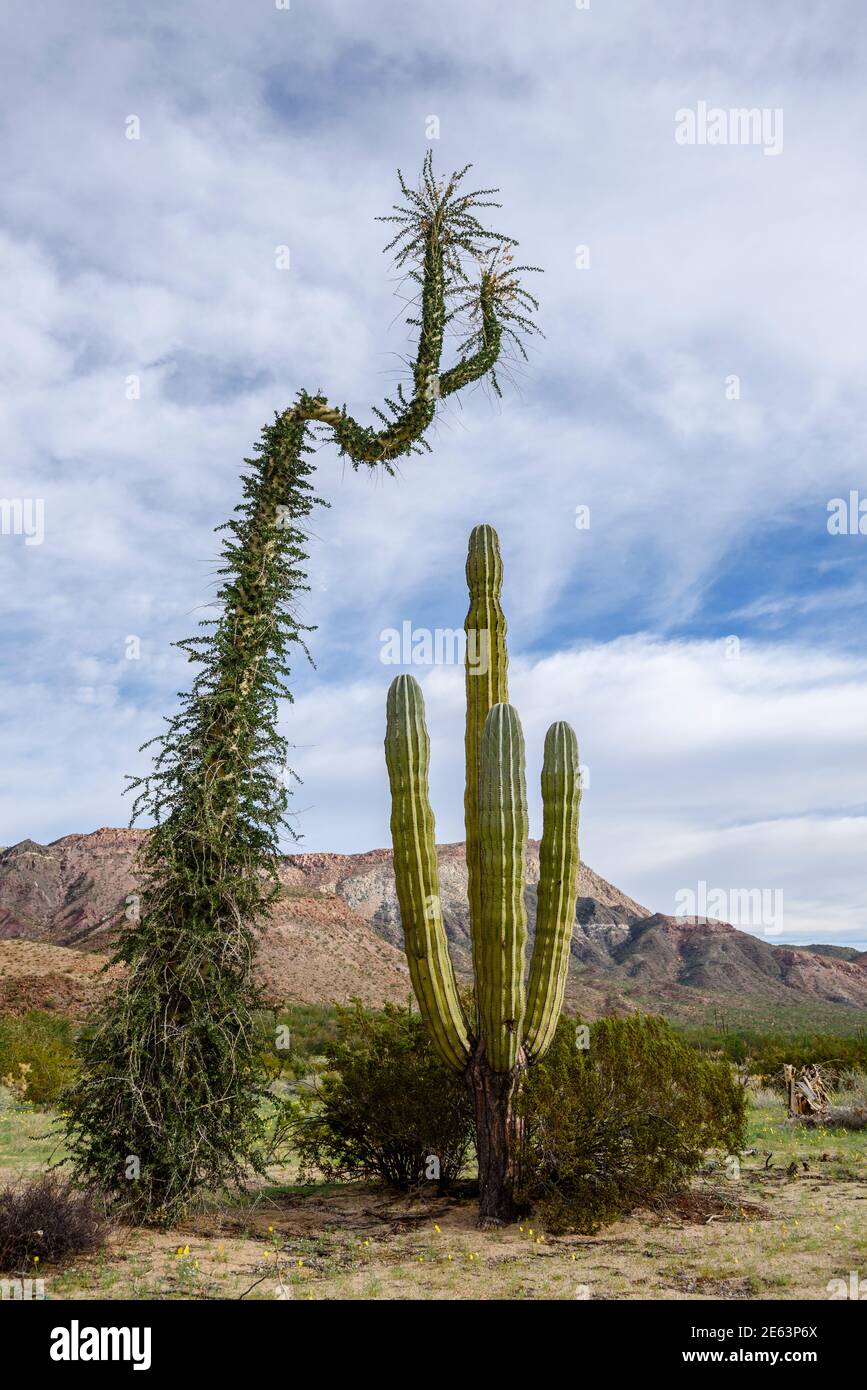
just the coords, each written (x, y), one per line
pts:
(699, 388)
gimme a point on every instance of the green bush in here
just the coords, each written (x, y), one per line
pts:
(764, 1053)
(386, 1105)
(37, 1057)
(626, 1120)
(294, 1038)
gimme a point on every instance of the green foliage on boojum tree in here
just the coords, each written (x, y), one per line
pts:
(515, 1018)
(170, 1063)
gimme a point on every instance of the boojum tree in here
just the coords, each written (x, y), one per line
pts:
(170, 1092)
(515, 1017)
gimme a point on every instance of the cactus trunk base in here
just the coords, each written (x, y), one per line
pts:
(498, 1137)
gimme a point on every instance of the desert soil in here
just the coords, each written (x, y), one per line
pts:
(764, 1234)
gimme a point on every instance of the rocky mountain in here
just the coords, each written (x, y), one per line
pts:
(841, 952)
(73, 893)
(336, 933)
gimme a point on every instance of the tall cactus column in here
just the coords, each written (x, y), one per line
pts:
(515, 1019)
(486, 666)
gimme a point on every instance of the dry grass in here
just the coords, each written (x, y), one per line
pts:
(852, 1089)
(786, 1240)
(779, 1231)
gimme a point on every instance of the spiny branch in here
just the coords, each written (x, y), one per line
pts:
(464, 271)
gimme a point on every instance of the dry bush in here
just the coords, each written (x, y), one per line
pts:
(766, 1099)
(852, 1089)
(45, 1221)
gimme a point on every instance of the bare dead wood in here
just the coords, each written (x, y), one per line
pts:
(806, 1091)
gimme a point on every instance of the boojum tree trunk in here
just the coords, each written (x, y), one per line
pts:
(515, 1015)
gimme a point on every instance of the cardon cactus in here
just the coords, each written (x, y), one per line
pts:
(515, 1015)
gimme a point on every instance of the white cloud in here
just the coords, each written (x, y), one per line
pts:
(740, 773)
(263, 127)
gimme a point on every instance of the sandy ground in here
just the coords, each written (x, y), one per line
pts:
(765, 1234)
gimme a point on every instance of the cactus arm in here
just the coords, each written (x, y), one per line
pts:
(407, 753)
(558, 887)
(486, 685)
(503, 829)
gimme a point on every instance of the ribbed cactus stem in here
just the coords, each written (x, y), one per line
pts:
(407, 754)
(487, 685)
(503, 829)
(514, 1024)
(558, 887)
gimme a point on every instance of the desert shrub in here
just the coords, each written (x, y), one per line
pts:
(764, 1053)
(625, 1121)
(385, 1105)
(37, 1057)
(766, 1098)
(313, 1027)
(852, 1089)
(45, 1221)
(276, 1062)
(309, 1028)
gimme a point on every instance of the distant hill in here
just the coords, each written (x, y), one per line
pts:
(840, 952)
(336, 933)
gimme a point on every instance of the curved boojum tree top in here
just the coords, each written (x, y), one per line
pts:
(466, 278)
